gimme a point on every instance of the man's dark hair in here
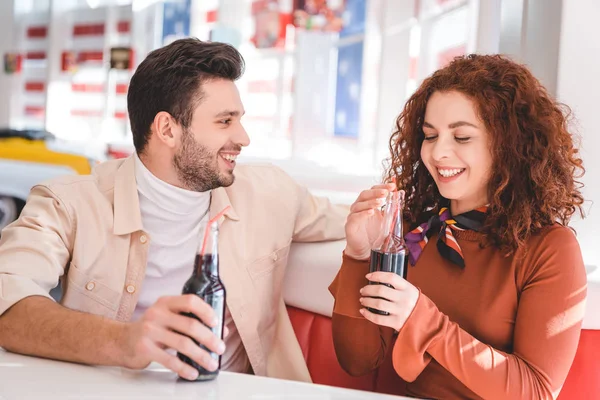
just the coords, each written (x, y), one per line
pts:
(170, 79)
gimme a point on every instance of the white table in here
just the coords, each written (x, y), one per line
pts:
(24, 377)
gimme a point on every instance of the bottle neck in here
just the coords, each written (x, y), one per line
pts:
(398, 224)
(207, 265)
(207, 258)
(392, 233)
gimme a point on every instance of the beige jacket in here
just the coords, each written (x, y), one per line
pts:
(87, 231)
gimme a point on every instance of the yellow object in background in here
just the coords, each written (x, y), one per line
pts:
(21, 149)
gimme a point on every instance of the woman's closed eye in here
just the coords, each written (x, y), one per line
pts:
(460, 139)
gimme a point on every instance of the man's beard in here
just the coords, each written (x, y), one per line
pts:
(197, 167)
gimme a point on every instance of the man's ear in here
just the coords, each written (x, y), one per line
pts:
(166, 130)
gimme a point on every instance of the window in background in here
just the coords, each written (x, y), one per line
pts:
(262, 31)
(330, 107)
(444, 33)
(86, 95)
(324, 81)
(352, 64)
(350, 50)
(417, 38)
(28, 97)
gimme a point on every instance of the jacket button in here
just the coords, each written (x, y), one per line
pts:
(274, 257)
(90, 286)
(143, 239)
(130, 289)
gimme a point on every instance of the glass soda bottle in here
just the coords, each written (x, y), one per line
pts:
(389, 252)
(205, 282)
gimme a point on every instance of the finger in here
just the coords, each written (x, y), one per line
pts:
(379, 304)
(391, 186)
(359, 217)
(387, 186)
(371, 194)
(383, 291)
(190, 303)
(186, 346)
(367, 205)
(171, 362)
(390, 278)
(382, 320)
(195, 329)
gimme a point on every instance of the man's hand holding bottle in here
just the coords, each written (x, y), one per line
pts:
(162, 327)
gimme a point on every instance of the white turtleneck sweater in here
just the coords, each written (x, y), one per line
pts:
(174, 219)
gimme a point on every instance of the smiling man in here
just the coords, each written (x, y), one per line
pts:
(122, 241)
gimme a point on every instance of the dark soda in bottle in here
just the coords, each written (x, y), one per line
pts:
(205, 282)
(389, 252)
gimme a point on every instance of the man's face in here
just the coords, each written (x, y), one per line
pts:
(205, 157)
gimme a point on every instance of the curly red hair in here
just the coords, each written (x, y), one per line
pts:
(535, 162)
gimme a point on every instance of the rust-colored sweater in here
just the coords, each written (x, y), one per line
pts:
(501, 328)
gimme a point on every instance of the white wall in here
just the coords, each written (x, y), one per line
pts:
(542, 33)
(579, 87)
(530, 33)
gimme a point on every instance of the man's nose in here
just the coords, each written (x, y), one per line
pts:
(241, 137)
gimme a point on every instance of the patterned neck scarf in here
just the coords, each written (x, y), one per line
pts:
(444, 223)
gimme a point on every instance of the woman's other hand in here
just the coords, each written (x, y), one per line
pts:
(399, 300)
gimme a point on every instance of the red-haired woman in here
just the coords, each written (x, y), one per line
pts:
(494, 298)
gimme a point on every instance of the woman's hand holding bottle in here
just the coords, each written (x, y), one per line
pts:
(364, 222)
(395, 297)
(388, 299)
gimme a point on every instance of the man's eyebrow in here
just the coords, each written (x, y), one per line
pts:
(229, 113)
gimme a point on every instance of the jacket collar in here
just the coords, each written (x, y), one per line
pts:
(127, 216)
(219, 201)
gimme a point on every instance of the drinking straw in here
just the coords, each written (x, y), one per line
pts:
(212, 221)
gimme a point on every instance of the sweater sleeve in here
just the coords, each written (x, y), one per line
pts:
(360, 345)
(547, 327)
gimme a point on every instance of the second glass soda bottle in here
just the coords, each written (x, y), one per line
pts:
(205, 282)
(389, 252)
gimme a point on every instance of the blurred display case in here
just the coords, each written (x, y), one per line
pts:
(31, 42)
